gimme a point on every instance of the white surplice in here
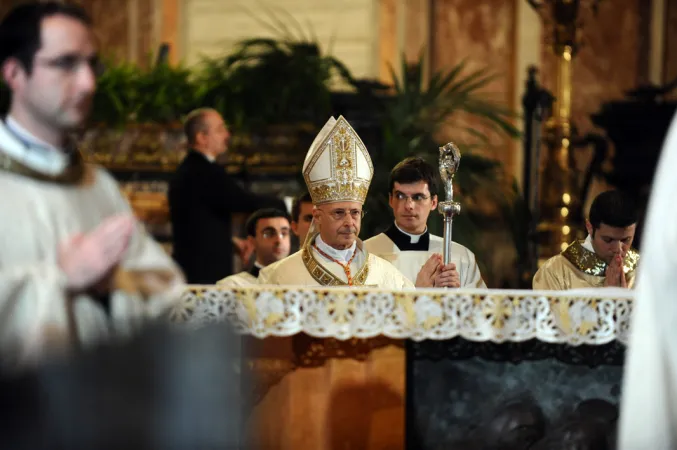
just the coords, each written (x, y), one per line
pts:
(37, 315)
(409, 262)
(649, 396)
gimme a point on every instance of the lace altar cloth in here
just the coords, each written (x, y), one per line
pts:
(591, 316)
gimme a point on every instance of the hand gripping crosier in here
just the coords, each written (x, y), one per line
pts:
(450, 158)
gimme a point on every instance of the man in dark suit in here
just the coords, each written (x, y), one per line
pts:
(202, 198)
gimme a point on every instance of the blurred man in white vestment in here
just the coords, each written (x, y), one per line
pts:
(649, 396)
(268, 231)
(75, 268)
(413, 187)
(337, 171)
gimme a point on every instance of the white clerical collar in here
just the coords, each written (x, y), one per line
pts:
(587, 244)
(21, 145)
(414, 237)
(259, 265)
(209, 158)
(342, 256)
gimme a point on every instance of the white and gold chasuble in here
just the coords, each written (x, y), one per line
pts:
(577, 267)
(409, 262)
(42, 206)
(308, 267)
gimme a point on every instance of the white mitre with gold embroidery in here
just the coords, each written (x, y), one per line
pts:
(338, 167)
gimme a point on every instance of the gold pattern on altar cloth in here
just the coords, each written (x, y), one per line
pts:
(589, 263)
(592, 317)
(499, 310)
(344, 181)
(575, 318)
(324, 276)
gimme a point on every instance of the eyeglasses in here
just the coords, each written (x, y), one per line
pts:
(416, 198)
(340, 214)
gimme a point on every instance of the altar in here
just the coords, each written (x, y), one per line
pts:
(365, 368)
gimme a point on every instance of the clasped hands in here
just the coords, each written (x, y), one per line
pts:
(88, 259)
(614, 276)
(435, 273)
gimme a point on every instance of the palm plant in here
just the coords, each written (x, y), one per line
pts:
(273, 81)
(128, 93)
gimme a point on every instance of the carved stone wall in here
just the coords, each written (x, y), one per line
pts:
(346, 29)
(611, 60)
(480, 32)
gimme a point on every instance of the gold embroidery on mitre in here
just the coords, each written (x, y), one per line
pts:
(589, 263)
(324, 276)
(343, 183)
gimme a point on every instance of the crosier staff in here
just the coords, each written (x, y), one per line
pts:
(450, 158)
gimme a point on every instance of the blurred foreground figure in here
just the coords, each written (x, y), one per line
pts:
(649, 396)
(605, 258)
(162, 390)
(75, 267)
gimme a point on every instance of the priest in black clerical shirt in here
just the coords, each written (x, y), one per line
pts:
(407, 243)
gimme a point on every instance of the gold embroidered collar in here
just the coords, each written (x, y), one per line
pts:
(73, 174)
(324, 276)
(589, 263)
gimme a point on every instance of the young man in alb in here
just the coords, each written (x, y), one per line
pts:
(407, 243)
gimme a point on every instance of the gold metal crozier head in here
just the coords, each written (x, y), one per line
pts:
(450, 159)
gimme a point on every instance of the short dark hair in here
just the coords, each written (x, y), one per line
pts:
(265, 213)
(21, 29)
(195, 123)
(614, 209)
(296, 206)
(413, 170)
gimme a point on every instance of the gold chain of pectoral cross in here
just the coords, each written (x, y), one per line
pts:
(346, 267)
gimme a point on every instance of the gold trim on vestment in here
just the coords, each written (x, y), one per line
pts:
(589, 263)
(324, 276)
(73, 174)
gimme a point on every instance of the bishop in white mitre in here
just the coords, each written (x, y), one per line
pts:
(407, 243)
(50, 197)
(337, 171)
